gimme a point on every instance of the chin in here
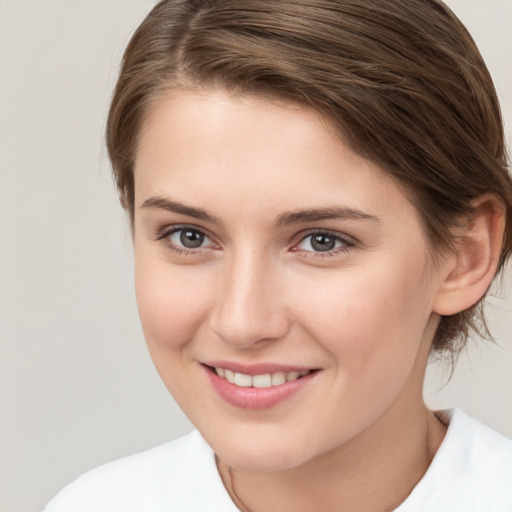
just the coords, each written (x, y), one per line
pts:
(261, 454)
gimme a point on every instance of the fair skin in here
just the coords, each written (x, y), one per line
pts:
(263, 243)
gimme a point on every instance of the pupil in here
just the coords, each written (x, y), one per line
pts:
(191, 239)
(322, 243)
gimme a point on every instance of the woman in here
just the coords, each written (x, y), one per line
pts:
(319, 200)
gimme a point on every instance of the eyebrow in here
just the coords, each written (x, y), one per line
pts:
(287, 218)
(176, 207)
(317, 214)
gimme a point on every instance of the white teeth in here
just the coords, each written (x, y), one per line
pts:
(243, 380)
(265, 380)
(262, 381)
(292, 376)
(278, 378)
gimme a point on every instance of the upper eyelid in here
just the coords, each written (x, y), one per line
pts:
(168, 230)
(336, 234)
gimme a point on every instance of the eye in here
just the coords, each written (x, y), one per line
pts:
(323, 242)
(186, 239)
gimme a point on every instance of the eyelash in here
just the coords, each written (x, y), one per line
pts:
(164, 236)
(347, 242)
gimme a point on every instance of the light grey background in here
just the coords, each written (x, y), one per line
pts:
(77, 387)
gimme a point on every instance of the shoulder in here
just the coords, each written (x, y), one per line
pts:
(485, 453)
(471, 471)
(179, 475)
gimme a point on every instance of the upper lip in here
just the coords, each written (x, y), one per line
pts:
(255, 368)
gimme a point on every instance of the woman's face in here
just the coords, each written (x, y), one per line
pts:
(267, 249)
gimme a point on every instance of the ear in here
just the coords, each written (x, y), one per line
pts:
(468, 273)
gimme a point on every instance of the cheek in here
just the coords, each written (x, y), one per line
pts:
(172, 303)
(371, 321)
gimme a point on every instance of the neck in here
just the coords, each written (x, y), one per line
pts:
(374, 472)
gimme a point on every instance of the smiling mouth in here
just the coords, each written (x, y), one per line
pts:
(257, 386)
(264, 380)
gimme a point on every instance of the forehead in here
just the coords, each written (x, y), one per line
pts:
(210, 145)
(217, 122)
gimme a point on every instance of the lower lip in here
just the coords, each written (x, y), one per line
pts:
(256, 398)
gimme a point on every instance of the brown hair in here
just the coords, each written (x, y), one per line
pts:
(401, 80)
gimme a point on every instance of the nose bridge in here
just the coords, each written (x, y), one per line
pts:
(249, 308)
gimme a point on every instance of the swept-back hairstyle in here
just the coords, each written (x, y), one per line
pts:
(402, 82)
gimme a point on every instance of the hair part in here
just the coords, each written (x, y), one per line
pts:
(401, 81)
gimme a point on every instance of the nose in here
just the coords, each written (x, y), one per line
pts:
(250, 308)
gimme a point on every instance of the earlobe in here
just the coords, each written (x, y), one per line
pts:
(470, 270)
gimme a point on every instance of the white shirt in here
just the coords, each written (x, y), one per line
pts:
(471, 472)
